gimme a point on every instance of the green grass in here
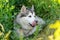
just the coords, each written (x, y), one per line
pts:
(48, 10)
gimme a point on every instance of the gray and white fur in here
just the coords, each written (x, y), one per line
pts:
(27, 21)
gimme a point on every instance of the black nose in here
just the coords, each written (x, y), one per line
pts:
(36, 21)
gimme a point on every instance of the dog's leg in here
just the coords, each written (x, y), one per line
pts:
(21, 34)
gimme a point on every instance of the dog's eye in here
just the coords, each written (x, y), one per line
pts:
(22, 15)
(30, 16)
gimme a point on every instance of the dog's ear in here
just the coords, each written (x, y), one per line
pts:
(23, 9)
(32, 8)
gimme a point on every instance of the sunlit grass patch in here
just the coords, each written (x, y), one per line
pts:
(2, 33)
(7, 35)
(58, 1)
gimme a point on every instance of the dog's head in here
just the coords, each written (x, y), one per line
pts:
(28, 15)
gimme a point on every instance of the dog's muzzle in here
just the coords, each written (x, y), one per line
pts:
(34, 23)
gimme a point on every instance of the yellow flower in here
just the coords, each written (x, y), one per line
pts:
(50, 37)
(55, 25)
(57, 38)
(57, 32)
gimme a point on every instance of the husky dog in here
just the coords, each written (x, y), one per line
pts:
(28, 21)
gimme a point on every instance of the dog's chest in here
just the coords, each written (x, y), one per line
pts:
(29, 32)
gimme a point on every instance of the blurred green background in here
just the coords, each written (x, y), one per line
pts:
(48, 10)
